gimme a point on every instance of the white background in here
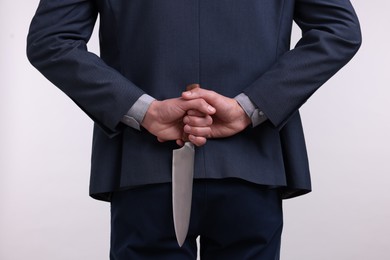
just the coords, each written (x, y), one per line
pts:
(45, 140)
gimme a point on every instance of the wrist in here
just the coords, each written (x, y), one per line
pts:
(150, 115)
(243, 118)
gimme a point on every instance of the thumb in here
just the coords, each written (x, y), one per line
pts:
(193, 91)
(209, 96)
(188, 93)
(198, 104)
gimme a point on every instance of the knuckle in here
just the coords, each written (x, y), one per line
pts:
(209, 120)
(203, 102)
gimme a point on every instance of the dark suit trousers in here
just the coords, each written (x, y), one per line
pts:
(234, 219)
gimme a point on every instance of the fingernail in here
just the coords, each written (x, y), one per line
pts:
(211, 109)
(187, 128)
(188, 93)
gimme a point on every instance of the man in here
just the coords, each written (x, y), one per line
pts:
(242, 114)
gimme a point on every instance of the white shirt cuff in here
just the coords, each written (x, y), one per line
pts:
(254, 113)
(137, 112)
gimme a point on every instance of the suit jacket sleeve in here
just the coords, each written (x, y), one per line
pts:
(56, 46)
(330, 37)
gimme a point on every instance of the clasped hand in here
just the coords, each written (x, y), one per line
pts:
(196, 116)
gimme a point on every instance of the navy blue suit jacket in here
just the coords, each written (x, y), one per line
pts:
(158, 47)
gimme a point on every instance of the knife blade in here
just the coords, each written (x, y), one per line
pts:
(182, 180)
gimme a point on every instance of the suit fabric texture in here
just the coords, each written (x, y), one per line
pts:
(159, 47)
(148, 233)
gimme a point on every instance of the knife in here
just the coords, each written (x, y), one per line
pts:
(182, 179)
